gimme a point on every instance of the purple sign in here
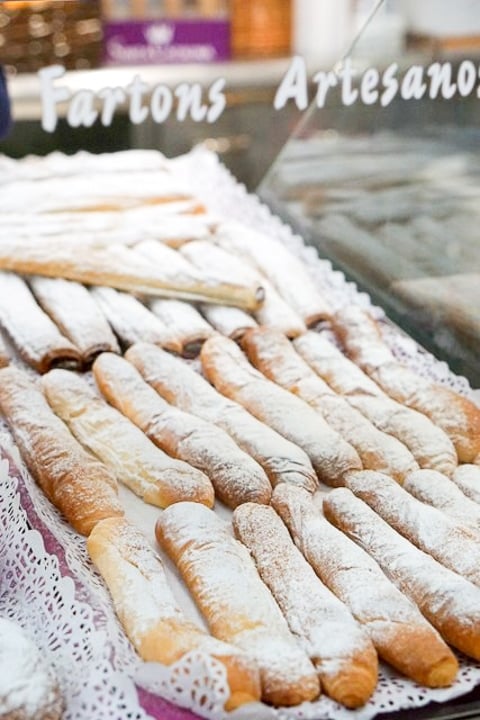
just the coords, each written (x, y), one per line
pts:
(166, 41)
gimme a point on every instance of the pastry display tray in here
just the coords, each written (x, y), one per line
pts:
(107, 654)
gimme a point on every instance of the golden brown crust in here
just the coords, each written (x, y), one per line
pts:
(276, 358)
(340, 650)
(149, 613)
(458, 416)
(134, 459)
(122, 268)
(237, 478)
(179, 384)
(451, 542)
(400, 633)
(448, 601)
(238, 607)
(230, 372)
(79, 485)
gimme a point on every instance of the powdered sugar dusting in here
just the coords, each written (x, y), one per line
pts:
(176, 382)
(332, 365)
(229, 321)
(437, 490)
(430, 445)
(237, 605)
(451, 603)
(456, 415)
(231, 373)
(344, 567)
(325, 627)
(72, 308)
(281, 267)
(447, 540)
(185, 320)
(76, 482)
(132, 321)
(274, 311)
(360, 335)
(131, 456)
(275, 356)
(235, 475)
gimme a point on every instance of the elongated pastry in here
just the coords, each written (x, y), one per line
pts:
(361, 337)
(274, 311)
(400, 633)
(275, 357)
(341, 652)
(28, 687)
(236, 477)
(285, 271)
(448, 601)
(149, 613)
(80, 486)
(182, 386)
(132, 321)
(74, 311)
(189, 326)
(237, 606)
(447, 540)
(457, 416)
(162, 256)
(437, 490)
(133, 458)
(331, 364)
(430, 446)
(467, 478)
(228, 321)
(228, 369)
(122, 268)
(36, 337)
(156, 222)
(174, 230)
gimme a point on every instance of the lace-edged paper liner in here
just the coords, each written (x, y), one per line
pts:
(48, 584)
(39, 591)
(71, 620)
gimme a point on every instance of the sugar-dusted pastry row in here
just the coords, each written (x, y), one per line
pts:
(158, 418)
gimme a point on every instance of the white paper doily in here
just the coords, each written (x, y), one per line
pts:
(47, 603)
(73, 620)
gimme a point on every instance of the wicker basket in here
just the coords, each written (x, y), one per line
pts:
(36, 34)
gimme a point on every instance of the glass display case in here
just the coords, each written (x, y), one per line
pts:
(388, 189)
